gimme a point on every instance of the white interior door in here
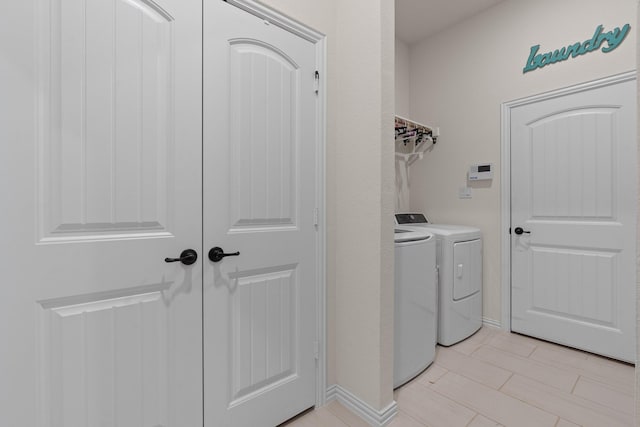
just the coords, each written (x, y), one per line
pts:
(574, 191)
(101, 180)
(259, 200)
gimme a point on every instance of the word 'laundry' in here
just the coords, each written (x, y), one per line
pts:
(613, 39)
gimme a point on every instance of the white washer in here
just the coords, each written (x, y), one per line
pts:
(416, 304)
(459, 260)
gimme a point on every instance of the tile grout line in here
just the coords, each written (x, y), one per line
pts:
(471, 420)
(448, 398)
(499, 391)
(455, 401)
(605, 379)
(573, 389)
(504, 383)
(345, 422)
(406, 414)
(545, 410)
(533, 361)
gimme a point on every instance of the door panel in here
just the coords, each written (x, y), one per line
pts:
(106, 122)
(574, 189)
(263, 329)
(106, 361)
(264, 87)
(576, 284)
(103, 124)
(572, 157)
(259, 199)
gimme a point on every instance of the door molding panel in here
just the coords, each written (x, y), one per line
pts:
(105, 90)
(505, 170)
(282, 21)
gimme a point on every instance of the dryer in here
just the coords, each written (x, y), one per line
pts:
(459, 264)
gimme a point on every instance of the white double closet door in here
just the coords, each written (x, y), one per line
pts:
(118, 152)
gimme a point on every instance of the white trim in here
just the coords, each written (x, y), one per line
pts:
(319, 39)
(321, 289)
(505, 221)
(278, 19)
(373, 417)
(491, 323)
(505, 173)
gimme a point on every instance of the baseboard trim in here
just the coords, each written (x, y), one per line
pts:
(491, 323)
(376, 418)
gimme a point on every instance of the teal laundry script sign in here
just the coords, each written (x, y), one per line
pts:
(605, 41)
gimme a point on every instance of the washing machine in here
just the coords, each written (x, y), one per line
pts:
(416, 306)
(459, 263)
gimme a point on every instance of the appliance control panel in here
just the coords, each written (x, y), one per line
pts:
(481, 171)
(411, 218)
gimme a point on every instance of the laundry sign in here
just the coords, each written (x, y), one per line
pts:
(601, 40)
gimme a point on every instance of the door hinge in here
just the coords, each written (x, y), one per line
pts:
(509, 230)
(316, 350)
(316, 216)
(317, 81)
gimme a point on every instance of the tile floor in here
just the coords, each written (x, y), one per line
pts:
(495, 378)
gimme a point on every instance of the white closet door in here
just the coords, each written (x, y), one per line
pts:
(574, 192)
(259, 199)
(101, 180)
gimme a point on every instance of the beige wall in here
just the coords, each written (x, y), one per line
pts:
(402, 97)
(460, 78)
(360, 191)
(364, 250)
(402, 79)
(638, 246)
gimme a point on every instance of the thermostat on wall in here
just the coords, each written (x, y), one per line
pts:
(481, 171)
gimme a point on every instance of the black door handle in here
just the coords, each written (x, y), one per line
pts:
(216, 254)
(519, 231)
(187, 257)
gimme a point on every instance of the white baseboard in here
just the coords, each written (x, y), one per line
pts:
(375, 418)
(491, 323)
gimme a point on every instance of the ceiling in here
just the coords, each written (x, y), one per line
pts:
(418, 19)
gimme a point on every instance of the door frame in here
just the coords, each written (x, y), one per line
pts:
(505, 173)
(319, 40)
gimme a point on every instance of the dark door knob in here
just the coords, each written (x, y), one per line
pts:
(216, 254)
(187, 257)
(519, 231)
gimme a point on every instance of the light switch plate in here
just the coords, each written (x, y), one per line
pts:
(464, 193)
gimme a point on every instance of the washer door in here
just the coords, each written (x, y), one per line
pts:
(467, 268)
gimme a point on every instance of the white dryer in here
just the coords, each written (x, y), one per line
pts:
(459, 261)
(416, 304)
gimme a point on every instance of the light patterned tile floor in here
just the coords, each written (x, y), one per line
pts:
(499, 379)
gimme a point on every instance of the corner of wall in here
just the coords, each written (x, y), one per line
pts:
(637, 371)
(387, 167)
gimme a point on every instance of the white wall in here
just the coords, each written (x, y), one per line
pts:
(360, 190)
(364, 200)
(460, 77)
(637, 250)
(402, 109)
(402, 79)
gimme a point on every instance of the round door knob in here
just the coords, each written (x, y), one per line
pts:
(187, 257)
(217, 253)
